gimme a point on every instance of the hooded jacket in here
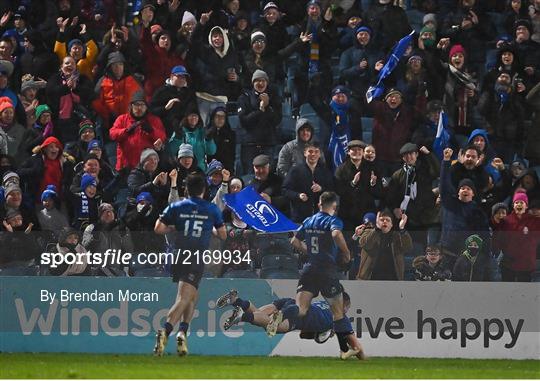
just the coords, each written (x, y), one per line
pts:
(225, 139)
(470, 267)
(292, 152)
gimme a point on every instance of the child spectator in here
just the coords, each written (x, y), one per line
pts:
(430, 267)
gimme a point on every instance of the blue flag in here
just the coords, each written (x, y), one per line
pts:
(442, 139)
(257, 212)
(391, 63)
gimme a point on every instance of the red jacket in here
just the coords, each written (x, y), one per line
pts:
(390, 131)
(114, 95)
(130, 145)
(518, 238)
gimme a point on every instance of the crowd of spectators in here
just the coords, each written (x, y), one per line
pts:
(106, 107)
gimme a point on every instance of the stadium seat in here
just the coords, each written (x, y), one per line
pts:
(273, 244)
(279, 274)
(409, 271)
(367, 129)
(247, 274)
(288, 128)
(281, 262)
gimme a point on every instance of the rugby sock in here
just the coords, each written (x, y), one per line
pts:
(342, 340)
(168, 328)
(184, 327)
(243, 304)
(247, 317)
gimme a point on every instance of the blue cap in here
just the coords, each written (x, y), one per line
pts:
(340, 90)
(179, 70)
(369, 218)
(314, 2)
(93, 144)
(49, 192)
(145, 196)
(364, 28)
(88, 180)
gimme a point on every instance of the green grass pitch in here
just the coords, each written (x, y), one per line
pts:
(59, 365)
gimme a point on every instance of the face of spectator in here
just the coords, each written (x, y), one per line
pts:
(261, 171)
(147, 14)
(340, 98)
(394, 101)
(5, 50)
(15, 221)
(193, 119)
(271, 15)
(14, 199)
(96, 151)
(433, 255)
(527, 182)
(260, 85)
(520, 207)
(151, 164)
(504, 79)
(189, 27)
(48, 203)
(522, 33)
(28, 45)
(314, 11)
(76, 52)
(369, 153)
(235, 186)
(139, 109)
(516, 5)
(385, 224)
(107, 216)
(363, 37)
(19, 23)
(312, 155)
(304, 134)
(457, 60)
(507, 58)
(233, 6)
(186, 162)
(470, 159)
(164, 41)
(479, 142)
(416, 65)
(219, 119)
(88, 134)
(7, 116)
(217, 40)
(30, 94)
(117, 69)
(517, 169)
(468, 3)
(68, 65)
(178, 80)
(90, 191)
(92, 167)
(45, 118)
(434, 116)
(72, 239)
(465, 194)
(410, 158)
(216, 178)
(3, 81)
(52, 151)
(241, 24)
(500, 214)
(353, 22)
(356, 153)
(258, 46)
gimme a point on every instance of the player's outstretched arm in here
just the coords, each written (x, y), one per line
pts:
(354, 344)
(221, 232)
(337, 235)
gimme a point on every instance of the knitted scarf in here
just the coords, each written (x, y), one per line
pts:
(314, 64)
(341, 133)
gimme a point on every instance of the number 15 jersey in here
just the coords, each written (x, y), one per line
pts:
(193, 219)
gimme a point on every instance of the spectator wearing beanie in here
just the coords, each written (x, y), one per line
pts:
(37, 60)
(461, 215)
(38, 132)
(135, 131)
(215, 179)
(469, 166)
(527, 50)
(191, 131)
(18, 247)
(172, 100)
(185, 164)
(115, 89)
(86, 203)
(50, 218)
(259, 115)
(45, 167)
(518, 235)
(92, 165)
(240, 32)
(69, 242)
(274, 29)
(79, 148)
(83, 49)
(28, 97)
(469, 266)
(148, 177)
(12, 129)
(119, 41)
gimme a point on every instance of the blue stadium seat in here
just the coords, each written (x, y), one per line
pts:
(279, 262)
(288, 128)
(279, 274)
(247, 274)
(367, 129)
(409, 272)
